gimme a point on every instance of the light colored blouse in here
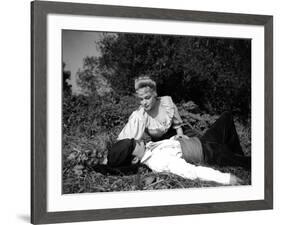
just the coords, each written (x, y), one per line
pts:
(140, 121)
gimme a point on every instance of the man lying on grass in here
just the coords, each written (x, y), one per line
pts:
(219, 145)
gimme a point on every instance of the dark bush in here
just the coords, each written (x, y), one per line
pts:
(215, 73)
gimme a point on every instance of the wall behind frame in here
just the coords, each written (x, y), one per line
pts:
(15, 111)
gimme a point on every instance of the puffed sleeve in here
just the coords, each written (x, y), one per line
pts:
(177, 121)
(135, 126)
(172, 112)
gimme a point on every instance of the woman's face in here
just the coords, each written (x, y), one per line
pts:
(147, 98)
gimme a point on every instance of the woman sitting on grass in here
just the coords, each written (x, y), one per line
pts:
(156, 116)
(218, 146)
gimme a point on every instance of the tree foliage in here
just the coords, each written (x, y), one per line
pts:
(213, 72)
(65, 78)
(92, 78)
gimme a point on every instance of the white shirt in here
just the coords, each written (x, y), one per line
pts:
(166, 156)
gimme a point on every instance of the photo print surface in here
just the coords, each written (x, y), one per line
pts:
(154, 111)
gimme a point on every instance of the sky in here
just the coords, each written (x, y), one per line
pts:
(75, 46)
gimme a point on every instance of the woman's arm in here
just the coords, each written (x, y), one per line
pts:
(180, 133)
(134, 128)
(177, 121)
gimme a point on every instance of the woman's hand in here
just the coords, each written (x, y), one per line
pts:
(179, 136)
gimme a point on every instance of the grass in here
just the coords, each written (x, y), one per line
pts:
(91, 181)
(83, 149)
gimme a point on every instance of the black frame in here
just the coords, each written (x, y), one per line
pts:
(39, 12)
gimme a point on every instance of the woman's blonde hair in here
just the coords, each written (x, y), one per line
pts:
(145, 81)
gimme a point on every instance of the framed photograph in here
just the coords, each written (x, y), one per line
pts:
(145, 112)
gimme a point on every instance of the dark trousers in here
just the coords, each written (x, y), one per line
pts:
(221, 145)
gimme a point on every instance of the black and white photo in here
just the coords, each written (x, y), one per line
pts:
(144, 112)
(185, 100)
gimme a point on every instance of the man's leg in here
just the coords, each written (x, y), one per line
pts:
(221, 145)
(219, 154)
(223, 131)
